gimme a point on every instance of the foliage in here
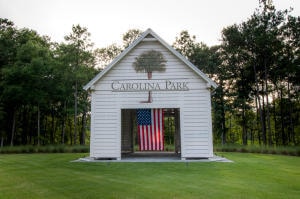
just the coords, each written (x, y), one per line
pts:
(81, 63)
(185, 44)
(256, 68)
(256, 50)
(44, 149)
(105, 55)
(55, 176)
(130, 36)
(37, 84)
(279, 150)
(42, 100)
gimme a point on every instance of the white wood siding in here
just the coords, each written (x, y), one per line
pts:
(194, 105)
(196, 125)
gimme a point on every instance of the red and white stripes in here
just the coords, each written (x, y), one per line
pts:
(151, 137)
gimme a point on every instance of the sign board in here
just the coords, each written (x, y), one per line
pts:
(149, 85)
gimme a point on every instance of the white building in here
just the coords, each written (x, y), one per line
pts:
(179, 88)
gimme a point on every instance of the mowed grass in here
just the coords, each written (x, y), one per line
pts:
(55, 176)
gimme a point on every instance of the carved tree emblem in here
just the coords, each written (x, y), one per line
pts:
(150, 61)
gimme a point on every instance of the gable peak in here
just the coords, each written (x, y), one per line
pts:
(149, 36)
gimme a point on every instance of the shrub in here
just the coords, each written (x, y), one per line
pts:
(290, 150)
(44, 149)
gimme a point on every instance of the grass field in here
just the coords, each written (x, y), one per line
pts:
(54, 176)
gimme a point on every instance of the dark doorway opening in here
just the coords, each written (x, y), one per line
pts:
(129, 135)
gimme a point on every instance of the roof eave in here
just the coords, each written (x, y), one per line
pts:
(136, 42)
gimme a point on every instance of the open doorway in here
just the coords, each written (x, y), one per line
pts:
(171, 132)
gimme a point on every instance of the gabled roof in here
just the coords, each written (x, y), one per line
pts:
(149, 35)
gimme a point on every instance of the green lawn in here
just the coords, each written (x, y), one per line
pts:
(54, 176)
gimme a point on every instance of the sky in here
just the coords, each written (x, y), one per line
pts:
(108, 20)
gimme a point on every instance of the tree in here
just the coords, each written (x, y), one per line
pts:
(260, 52)
(24, 76)
(81, 58)
(38, 74)
(105, 55)
(130, 36)
(7, 56)
(185, 44)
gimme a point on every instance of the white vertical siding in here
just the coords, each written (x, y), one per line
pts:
(194, 105)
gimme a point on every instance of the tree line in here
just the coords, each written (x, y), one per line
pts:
(256, 67)
(42, 100)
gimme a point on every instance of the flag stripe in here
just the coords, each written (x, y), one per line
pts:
(162, 132)
(153, 129)
(150, 129)
(158, 118)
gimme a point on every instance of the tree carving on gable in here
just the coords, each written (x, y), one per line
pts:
(150, 61)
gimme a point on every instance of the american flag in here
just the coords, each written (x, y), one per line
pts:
(150, 129)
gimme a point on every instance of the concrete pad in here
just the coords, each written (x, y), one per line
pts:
(154, 157)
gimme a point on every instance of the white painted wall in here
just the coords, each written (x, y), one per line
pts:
(195, 105)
